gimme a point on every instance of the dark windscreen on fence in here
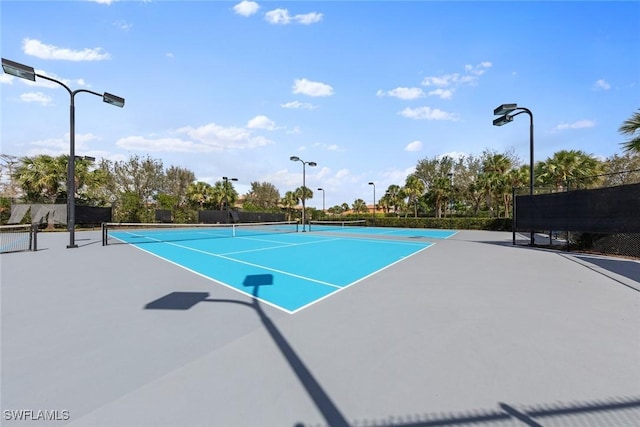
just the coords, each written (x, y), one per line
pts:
(602, 210)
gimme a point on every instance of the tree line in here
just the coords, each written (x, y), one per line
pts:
(440, 186)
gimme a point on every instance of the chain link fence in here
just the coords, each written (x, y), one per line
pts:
(625, 244)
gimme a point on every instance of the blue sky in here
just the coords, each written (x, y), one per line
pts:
(365, 89)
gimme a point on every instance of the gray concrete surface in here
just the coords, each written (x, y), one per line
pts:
(472, 331)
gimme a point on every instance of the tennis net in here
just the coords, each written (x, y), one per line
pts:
(135, 233)
(16, 238)
(317, 225)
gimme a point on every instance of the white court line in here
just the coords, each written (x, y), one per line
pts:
(338, 288)
(251, 264)
(360, 279)
(282, 245)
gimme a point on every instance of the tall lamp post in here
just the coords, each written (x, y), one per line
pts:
(25, 72)
(322, 189)
(374, 202)
(226, 198)
(304, 185)
(507, 112)
(450, 176)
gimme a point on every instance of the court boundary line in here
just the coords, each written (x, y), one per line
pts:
(355, 282)
(337, 288)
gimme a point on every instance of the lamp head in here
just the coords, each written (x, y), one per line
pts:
(501, 121)
(504, 109)
(312, 164)
(294, 158)
(18, 70)
(113, 100)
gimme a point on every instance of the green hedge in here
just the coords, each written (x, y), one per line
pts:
(464, 223)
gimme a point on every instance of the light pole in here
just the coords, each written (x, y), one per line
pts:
(226, 198)
(374, 202)
(28, 73)
(304, 186)
(450, 175)
(322, 189)
(506, 113)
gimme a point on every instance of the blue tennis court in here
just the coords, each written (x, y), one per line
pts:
(295, 269)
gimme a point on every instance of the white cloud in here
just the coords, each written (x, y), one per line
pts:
(427, 113)
(139, 143)
(37, 97)
(6, 78)
(601, 85)
(261, 122)
(479, 69)
(396, 176)
(299, 105)
(222, 138)
(59, 146)
(43, 51)
(446, 84)
(282, 17)
(414, 146)
(442, 93)
(308, 18)
(309, 88)
(441, 81)
(107, 2)
(406, 93)
(580, 124)
(278, 16)
(246, 8)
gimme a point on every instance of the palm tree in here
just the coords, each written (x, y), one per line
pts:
(631, 128)
(496, 168)
(396, 197)
(289, 201)
(199, 193)
(569, 167)
(438, 193)
(42, 178)
(414, 188)
(359, 206)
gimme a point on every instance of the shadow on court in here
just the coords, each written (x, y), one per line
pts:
(186, 300)
(621, 411)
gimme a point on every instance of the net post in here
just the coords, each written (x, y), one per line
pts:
(233, 230)
(33, 238)
(104, 233)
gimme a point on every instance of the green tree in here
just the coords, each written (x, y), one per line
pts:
(396, 197)
(413, 189)
(620, 170)
(42, 178)
(568, 167)
(200, 194)
(496, 168)
(438, 194)
(176, 183)
(139, 177)
(264, 196)
(289, 202)
(359, 206)
(631, 128)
